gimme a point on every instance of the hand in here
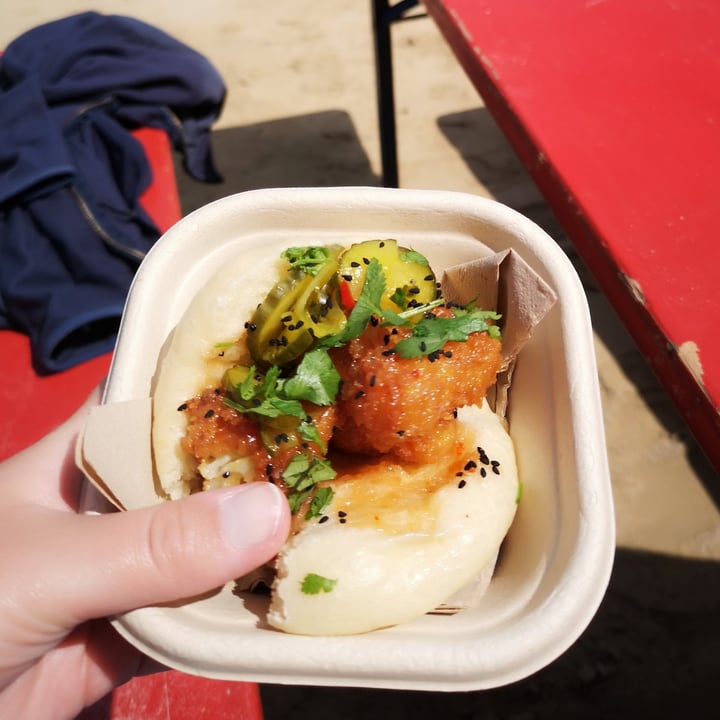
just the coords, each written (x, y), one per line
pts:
(63, 573)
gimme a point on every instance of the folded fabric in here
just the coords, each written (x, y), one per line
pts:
(72, 230)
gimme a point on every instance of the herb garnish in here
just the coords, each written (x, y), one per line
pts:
(303, 473)
(313, 584)
(414, 256)
(431, 333)
(270, 396)
(308, 259)
(316, 379)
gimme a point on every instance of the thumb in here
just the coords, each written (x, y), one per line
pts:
(167, 552)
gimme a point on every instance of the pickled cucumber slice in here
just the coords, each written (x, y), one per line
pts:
(409, 279)
(300, 308)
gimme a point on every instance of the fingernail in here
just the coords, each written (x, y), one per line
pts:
(250, 514)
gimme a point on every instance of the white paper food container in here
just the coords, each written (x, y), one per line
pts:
(556, 561)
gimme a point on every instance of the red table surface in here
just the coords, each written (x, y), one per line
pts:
(34, 405)
(614, 108)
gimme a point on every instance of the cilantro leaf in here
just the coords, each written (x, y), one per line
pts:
(431, 333)
(314, 584)
(295, 500)
(307, 430)
(302, 474)
(413, 256)
(316, 379)
(303, 471)
(308, 259)
(321, 499)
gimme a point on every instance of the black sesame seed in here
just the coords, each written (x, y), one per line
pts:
(483, 472)
(286, 319)
(343, 521)
(209, 413)
(299, 324)
(428, 278)
(423, 346)
(182, 407)
(354, 263)
(459, 474)
(323, 519)
(281, 438)
(366, 261)
(470, 465)
(226, 474)
(462, 484)
(400, 433)
(372, 381)
(414, 290)
(374, 321)
(347, 277)
(268, 469)
(359, 394)
(342, 513)
(389, 352)
(386, 339)
(496, 469)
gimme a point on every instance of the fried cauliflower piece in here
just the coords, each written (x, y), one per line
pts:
(406, 407)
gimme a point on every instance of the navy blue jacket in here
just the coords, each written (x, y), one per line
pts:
(72, 232)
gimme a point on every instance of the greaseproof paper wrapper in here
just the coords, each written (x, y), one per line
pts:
(503, 282)
(115, 452)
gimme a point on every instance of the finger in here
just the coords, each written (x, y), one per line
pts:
(45, 472)
(104, 565)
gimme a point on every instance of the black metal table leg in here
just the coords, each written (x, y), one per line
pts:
(383, 14)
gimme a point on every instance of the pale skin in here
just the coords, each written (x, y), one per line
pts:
(63, 573)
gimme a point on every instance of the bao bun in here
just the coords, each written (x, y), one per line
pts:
(390, 560)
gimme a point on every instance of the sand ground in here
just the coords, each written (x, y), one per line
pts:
(301, 111)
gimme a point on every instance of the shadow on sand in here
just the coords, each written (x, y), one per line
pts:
(316, 150)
